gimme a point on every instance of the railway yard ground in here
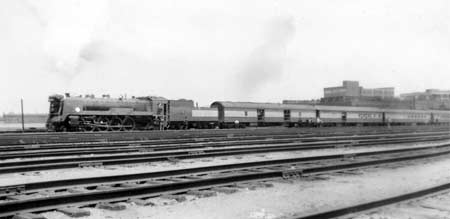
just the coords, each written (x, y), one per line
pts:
(263, 173)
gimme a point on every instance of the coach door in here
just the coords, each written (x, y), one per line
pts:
(260, 116)
(287, 117)
(165, 111)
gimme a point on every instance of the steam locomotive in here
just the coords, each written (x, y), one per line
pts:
(147, 113)
(116, 114)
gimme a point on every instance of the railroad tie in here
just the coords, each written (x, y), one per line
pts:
(145, 150)
(154, 182)
(173, 159)
(104, 188)
(74, 212)
(24, 197)
(140, 202)
(28, 216)
(129, 185)
(253, 185)
(178, 198)
(264, 184)
(77, 190)
(248, 186)
(31, 146)
(179, 179)
(12, 189)
(225, 190)
(90, 164)
(202, 193)
(289, 174)
(111, 206)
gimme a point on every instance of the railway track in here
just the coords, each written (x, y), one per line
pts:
(41, 138)
(52, 150)
(191, 152)
(90, 191)
(179, 143)
(353, 210)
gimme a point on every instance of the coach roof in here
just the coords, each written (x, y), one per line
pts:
(252, 105)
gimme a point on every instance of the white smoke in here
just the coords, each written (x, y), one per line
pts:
(69, 28)
(266, 62)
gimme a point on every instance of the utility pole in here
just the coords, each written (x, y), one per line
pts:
(23, 122)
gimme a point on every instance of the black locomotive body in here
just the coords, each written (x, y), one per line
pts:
(102, 114)
(120, 114)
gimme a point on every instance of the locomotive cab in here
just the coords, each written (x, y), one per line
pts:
(55, 111)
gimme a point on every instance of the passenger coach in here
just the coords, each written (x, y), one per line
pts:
(262, 114)
(267, 114)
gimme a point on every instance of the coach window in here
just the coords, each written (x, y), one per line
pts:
(260, 115)
(245, 113)
(287, 115)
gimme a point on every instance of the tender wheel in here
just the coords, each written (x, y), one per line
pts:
(101, 123)
(128, 124)
(115, 124)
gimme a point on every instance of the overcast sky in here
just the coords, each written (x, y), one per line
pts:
(206, 50)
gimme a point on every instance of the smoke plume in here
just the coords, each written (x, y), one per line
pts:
(69, 29)
(266, 62)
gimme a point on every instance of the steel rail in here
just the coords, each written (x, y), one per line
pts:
(148, 190)
(311, 137)
(21, 139)
(208, 140)
(63, 163)
(140, 176)
(204, 145)
(203, 139)
(376, 204)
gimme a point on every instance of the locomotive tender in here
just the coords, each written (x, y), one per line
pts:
(146, 113)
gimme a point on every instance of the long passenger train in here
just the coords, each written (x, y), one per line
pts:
(146, 113)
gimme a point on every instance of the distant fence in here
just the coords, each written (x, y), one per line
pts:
(29, 118)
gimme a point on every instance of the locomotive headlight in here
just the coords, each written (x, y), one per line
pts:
(77, 109)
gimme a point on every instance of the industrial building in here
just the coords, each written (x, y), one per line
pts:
(352, 94)
(352, 89)
(430, 99)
